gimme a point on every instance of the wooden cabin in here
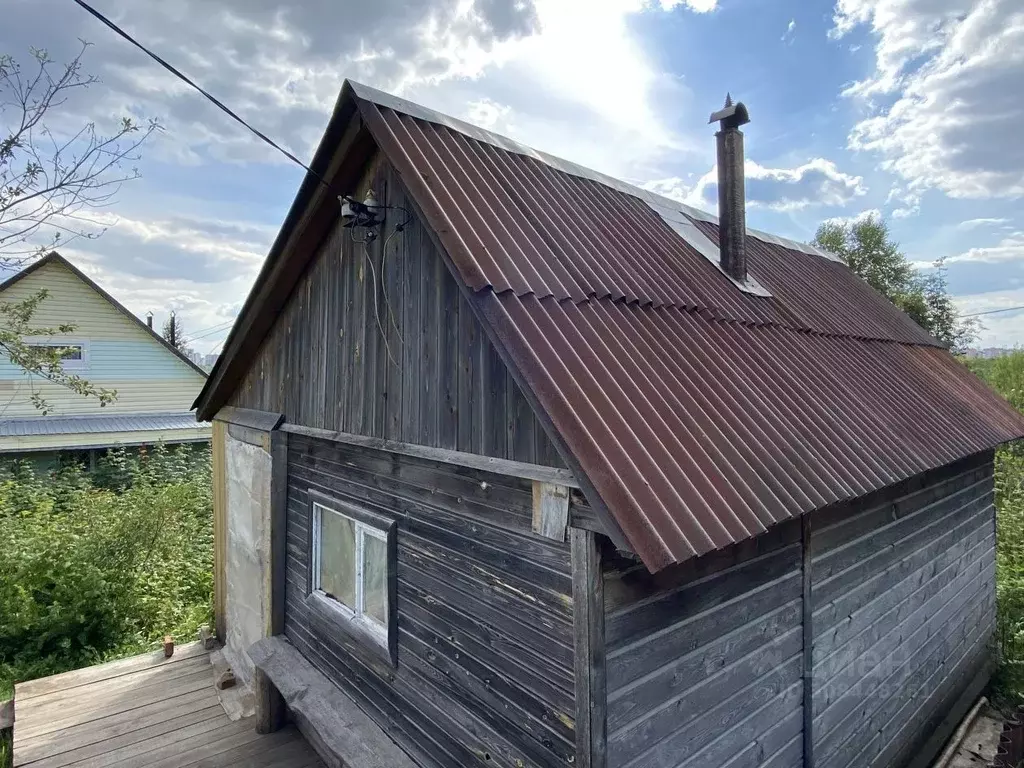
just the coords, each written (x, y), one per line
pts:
(519, 465)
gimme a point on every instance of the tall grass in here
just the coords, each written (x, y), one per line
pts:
(104, 565)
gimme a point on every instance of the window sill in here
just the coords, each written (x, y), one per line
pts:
(370, 639)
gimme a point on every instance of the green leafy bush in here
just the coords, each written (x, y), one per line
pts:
(102, 566)
(1006, 375)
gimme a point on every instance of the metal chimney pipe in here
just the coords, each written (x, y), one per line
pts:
(149, 320)
(732, 217)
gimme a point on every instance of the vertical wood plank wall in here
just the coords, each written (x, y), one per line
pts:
(388, 347)
(705, 660)
(485, 650)
(904, 604)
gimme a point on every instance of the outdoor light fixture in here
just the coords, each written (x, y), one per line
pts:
(367, 213)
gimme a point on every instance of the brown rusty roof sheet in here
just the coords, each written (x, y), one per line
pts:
(701, 413)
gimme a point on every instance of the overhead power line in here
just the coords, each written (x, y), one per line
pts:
(204, 332)
(993, 311)
(210, 97)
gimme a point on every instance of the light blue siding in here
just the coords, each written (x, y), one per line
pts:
(121, 361)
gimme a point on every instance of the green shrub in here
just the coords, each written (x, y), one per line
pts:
(1005, 374)
(94, 568)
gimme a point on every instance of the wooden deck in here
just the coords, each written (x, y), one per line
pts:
(143, 711)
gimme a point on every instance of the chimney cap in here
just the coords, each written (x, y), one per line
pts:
(731, 115)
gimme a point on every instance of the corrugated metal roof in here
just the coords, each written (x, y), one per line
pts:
(513, 223)
(702, 414)
(83, 425)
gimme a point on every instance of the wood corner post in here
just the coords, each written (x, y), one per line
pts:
(220, 534)
(588, 642)
(808, 641)
(270, 707)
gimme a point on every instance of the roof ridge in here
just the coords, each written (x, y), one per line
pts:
(653, 199)
(719, 315)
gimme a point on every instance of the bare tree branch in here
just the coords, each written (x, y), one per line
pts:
(48, 178)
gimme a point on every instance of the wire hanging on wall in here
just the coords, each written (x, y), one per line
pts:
(369, 215)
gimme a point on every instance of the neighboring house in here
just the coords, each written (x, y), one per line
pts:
(538, 474)
(111, 348)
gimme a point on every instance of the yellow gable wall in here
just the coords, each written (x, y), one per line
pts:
(148, 377)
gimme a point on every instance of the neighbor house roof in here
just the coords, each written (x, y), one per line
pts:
(700, 411)
(55, 258)
(86, 425)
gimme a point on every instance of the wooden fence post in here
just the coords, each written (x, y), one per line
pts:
(7, 733)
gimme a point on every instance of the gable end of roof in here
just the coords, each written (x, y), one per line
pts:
(55, 258)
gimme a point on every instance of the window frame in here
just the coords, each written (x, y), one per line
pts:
(352, 620)
(71, 366)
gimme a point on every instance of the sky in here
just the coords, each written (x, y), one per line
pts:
(907, 108)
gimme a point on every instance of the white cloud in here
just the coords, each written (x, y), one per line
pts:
(817, 182)
(1002, 329)
(944, 94)
(488, 114)
(1006, 250)
(697, 6)
(787, 36)
(870, 213)
(975, 223)
(540, 70)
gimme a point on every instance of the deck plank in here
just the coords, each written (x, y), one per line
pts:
(62, 751)
(70, 714)
(144, 712)
(67, 680)
(83, 695)
(113, 726)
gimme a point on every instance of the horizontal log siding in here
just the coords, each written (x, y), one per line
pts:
(903, 596)
(485, 660)
(705, 660)
(436, 381)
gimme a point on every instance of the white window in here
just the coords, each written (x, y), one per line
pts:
(74, 355)
(351, 568)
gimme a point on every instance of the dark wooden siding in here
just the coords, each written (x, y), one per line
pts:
(401, 357)
(705, 660)
(485, 670)
(903, 594)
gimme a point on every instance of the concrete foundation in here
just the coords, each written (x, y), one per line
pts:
(247, 565)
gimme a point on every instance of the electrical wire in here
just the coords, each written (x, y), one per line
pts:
(376, 306)
(993, 311)
(204, 332)
(266, 139)
(210, 97)
(384, 290)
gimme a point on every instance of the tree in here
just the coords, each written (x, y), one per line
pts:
(173, 332)
(868, 249)
(50, 176)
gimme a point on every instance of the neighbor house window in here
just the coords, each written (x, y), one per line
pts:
(74, 355)
(352, 567)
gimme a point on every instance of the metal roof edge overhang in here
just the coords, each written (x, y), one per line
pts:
(698, 434)
(98, 423)
(107, 440)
